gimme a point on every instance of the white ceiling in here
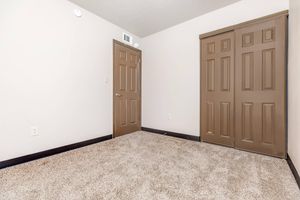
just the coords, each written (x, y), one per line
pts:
(144, 17)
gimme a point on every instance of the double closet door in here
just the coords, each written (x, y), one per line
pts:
(243, 87)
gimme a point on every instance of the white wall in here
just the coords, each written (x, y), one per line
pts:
(294, 84)
(53, 69)
(171, 65)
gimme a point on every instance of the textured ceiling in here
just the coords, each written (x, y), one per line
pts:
(145, 17)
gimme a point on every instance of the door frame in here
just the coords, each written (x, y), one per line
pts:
(116, 42)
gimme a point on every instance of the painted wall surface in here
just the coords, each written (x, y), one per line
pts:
(55, 74)
(294, 83)
(171, 59)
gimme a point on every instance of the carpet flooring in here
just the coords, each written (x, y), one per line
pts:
(145, 166)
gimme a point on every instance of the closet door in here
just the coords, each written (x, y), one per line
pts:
(260, 86)
(217, 89)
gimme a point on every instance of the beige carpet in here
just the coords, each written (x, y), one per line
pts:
(149, 166)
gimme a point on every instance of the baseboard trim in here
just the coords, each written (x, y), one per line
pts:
(293, 169)
(50, 152)
(173, 134)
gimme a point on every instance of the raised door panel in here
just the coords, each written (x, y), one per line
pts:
(268, 123)
(260, 88)
(217, 89)
(122, 117)
(225, 119)
(268, 71)
(225, 73)
(211, 118)
(132, 79)
(211, 48)
(122, 76)
(211, 75)
(247, 123)
(248, 71)
(132, 115)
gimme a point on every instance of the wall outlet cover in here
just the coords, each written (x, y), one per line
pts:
(34, 131)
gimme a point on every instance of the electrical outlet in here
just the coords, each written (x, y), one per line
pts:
(169, 116)
(34, 131)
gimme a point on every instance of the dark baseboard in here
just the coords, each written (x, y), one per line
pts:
(293, 169)
(173, 134)
(50, 152)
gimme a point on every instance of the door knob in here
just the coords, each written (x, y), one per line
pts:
(118, 95)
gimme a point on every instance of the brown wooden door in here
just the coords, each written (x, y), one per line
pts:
(260, 87)
(217, 89)
(127, 89)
